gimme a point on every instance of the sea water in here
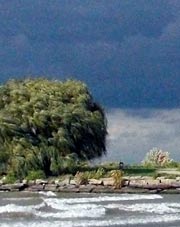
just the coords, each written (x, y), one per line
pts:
(24, 209)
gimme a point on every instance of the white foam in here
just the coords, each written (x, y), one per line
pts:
(9, 208)
(60, 204)
(13, 208)
(125, 197)
(177, 205)
(64, 210)
(157, 208)
(74, 213)
(73, 210)
(17, 199)
(48, 193)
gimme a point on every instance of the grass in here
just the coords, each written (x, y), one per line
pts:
(140, 171)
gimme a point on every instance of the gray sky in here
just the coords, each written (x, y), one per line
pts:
(132, 133)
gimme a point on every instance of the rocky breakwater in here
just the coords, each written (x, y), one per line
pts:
(160, 184)
(104, 185)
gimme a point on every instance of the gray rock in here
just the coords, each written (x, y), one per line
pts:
(41, 181)
(107, 181)
(132, 190)
(95, 182)
(86, 188)
(102, 189)
(135, 177)
(51, 187)
(160, 178)
(31, 182)
(73, 182)
(175, 185)
(126, 182)
(51, 181)
(68, 188)
(62, 183)
(25, 181)
(13, 187)
(36, 187)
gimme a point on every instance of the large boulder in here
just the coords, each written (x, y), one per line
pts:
(41, 181)
(51, 187)
(86, 188)
(95, 182)
(103, 189)
(64, 182)
(68, 188)
(36, 187)
(108, 181)
(13, 187)
(73, 182)
(175, 184)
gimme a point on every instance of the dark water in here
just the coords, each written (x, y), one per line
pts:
(91, 210)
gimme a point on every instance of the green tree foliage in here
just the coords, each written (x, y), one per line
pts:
(48, 125)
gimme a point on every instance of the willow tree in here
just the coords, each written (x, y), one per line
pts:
(44, 124)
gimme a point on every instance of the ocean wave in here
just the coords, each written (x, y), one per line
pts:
(157, 208)
(77, 207)
(75, 213)
(17, 199)
(98, 223)
(72, 210)
(64, 210)
(60, 204)
(48, 194)
(61, 210)
(13, 208)
(124, 197)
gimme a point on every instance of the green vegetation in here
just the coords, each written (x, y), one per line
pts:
(33, 175)
(48, 126)
(52, 128)
(95, 174)
(140, 170)
(10, 178)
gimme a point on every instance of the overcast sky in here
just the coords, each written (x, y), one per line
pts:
(128, 52)
(132, 133)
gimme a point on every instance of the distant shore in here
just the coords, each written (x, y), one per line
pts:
(131, 185)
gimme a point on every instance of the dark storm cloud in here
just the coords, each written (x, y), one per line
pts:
(127, 51)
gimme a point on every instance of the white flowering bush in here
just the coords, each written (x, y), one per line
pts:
(157, 158)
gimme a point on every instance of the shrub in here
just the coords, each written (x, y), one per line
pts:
(81, 178)
(157, 158)
(10, 178)
(33, 175)
(118, 178)
(99, 173)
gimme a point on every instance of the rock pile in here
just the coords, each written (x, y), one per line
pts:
(130, 185)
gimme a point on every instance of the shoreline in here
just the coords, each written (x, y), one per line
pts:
(104, 185)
